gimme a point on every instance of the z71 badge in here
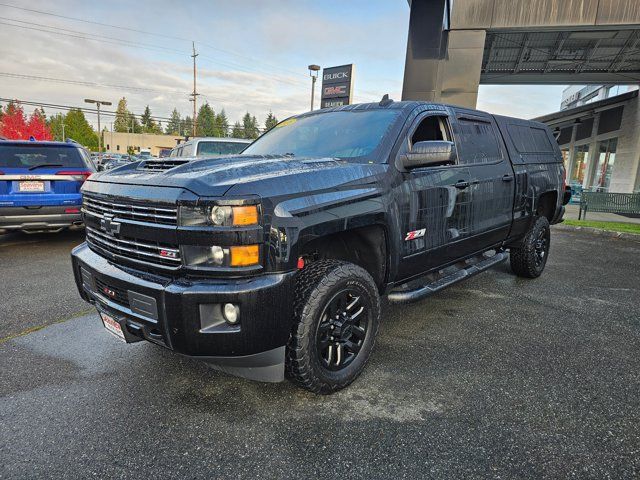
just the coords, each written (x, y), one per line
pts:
(415, 234)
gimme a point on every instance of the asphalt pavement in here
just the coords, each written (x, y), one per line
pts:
(497, 377)
(36, 280)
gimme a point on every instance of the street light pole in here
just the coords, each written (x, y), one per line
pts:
(313, 73)
(98, 103)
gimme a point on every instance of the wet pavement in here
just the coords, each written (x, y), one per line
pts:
(496, 377)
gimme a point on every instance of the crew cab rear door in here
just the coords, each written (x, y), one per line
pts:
(481, 149)
(433, 201)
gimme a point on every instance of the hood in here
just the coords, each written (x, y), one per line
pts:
(247, 175)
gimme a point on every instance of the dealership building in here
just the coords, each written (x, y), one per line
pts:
(600, 139)
(121, 142)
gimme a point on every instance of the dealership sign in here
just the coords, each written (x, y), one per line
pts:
(337, 86)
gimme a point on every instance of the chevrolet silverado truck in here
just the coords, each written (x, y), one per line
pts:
(272, 264)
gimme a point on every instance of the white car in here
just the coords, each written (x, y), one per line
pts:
(210, 147)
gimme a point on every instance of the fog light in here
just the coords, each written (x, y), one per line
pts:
(231, 312)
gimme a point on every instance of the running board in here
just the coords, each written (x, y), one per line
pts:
(404, 296)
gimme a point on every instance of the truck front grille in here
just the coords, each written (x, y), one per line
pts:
(154, 254)
(150, 214)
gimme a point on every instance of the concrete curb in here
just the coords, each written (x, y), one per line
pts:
(599, 231)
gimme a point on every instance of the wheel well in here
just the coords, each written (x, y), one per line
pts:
(365, 246)
(547, 205)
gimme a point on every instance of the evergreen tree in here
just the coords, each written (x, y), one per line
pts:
(173, 127)
(148, 123)
(250, 125)
(133, 125)
(238, 131)
(77, 128)
(55, 125)
(271, 121)
(186, 126)
(206, 122)
(122, 123)
(222, 124)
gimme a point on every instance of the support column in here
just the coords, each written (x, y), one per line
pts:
(441, 66)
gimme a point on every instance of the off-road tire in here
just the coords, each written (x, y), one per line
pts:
(316, 284)
(525, 260)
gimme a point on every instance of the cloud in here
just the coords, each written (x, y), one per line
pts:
(252, 55)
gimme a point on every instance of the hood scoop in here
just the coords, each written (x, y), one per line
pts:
(161, 165)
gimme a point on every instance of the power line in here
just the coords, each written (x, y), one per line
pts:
(130, 88)
(127, 43)
(171, 37)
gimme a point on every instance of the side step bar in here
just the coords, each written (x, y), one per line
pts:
(404, 296)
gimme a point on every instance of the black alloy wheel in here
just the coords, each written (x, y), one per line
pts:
(342, 329)
(540, 247)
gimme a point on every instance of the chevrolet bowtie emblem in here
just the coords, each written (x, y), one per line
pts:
(109, 225)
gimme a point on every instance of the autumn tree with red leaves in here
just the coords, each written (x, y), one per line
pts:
(15, 126)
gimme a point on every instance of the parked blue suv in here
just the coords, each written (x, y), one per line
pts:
(40, 184)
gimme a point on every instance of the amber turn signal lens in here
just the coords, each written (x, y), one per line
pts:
(245, 215)
(245, 256)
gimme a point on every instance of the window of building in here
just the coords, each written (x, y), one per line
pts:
(585, 129)
(478, 142)
(117, 148)
(565, 135)
(107, 146)
(606, 159)
(610, 120)
(580, 162)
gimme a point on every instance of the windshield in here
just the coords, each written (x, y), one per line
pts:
(220, 148)
(28, 156)
(343, 134)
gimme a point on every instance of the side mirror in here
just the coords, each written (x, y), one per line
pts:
(424, 154)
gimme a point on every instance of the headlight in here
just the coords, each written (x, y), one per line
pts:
(214, 256)
(219, 215)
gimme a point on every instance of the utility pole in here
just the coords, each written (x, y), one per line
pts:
(195, 92)
(98, 103)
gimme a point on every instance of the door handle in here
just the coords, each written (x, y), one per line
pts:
(462, 184)
(507, 178)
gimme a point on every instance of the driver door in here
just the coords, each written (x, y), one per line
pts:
(434, 202)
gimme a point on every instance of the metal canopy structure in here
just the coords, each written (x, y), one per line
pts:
(562, 57)
(454, 46)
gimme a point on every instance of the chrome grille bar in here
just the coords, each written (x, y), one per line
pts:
(135, 249)
(149, 214)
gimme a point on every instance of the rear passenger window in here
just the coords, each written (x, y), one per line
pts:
(477, 142)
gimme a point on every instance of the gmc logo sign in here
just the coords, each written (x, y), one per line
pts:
(337, 90)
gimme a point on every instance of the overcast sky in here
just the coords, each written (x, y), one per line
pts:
(253, 54)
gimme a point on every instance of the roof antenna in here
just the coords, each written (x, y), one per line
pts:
(385, 100)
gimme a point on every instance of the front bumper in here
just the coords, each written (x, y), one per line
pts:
(176, 313)
(42, 218)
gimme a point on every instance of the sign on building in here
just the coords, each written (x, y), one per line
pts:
(337, 86)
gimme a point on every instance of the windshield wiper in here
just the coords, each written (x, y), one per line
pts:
(46, 165)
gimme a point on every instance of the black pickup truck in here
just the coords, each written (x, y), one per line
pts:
(273, 263)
